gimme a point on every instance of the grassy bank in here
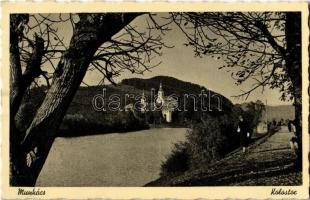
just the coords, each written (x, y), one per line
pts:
(268, 159)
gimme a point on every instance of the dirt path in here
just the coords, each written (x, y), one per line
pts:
(268, 161)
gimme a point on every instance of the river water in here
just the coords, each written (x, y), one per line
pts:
(117, 159)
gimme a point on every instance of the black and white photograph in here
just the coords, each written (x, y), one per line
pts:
(156, 99)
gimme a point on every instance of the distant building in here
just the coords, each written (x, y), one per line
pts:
(143, 103)
(262, 127)
(166, 104)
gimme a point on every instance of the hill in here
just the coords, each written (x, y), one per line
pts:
(178, 88)
(81, 116)
(280, 112)
(276, 112)
(170, 85)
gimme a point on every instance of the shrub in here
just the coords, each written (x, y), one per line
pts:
(207, 141)
(177, 162)
(211, 139)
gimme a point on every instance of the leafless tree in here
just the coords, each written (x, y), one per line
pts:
(104, 42)
(263, 46)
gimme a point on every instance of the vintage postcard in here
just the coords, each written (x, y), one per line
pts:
(154, 100)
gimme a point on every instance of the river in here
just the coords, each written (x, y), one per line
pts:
(116, 159)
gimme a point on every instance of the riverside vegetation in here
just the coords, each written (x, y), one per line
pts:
(207, 141)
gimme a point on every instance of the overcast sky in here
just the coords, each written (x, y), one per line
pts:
(179, 62)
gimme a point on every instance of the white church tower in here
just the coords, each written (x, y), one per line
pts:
(160, 95)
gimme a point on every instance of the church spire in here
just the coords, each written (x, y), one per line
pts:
(160, 96)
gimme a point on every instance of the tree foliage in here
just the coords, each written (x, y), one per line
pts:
(262, 46)
(133, 48)
(252, 45)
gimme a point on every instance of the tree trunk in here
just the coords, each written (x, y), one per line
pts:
(90, 32)
(15, 89)
(15, 64)
(294, 68)
(19, 83)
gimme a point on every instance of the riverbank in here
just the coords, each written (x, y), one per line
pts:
(268, 161)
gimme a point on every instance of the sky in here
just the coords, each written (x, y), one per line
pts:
(179, 62)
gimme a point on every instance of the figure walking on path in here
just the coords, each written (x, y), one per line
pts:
(243, 129)
(293, 142)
